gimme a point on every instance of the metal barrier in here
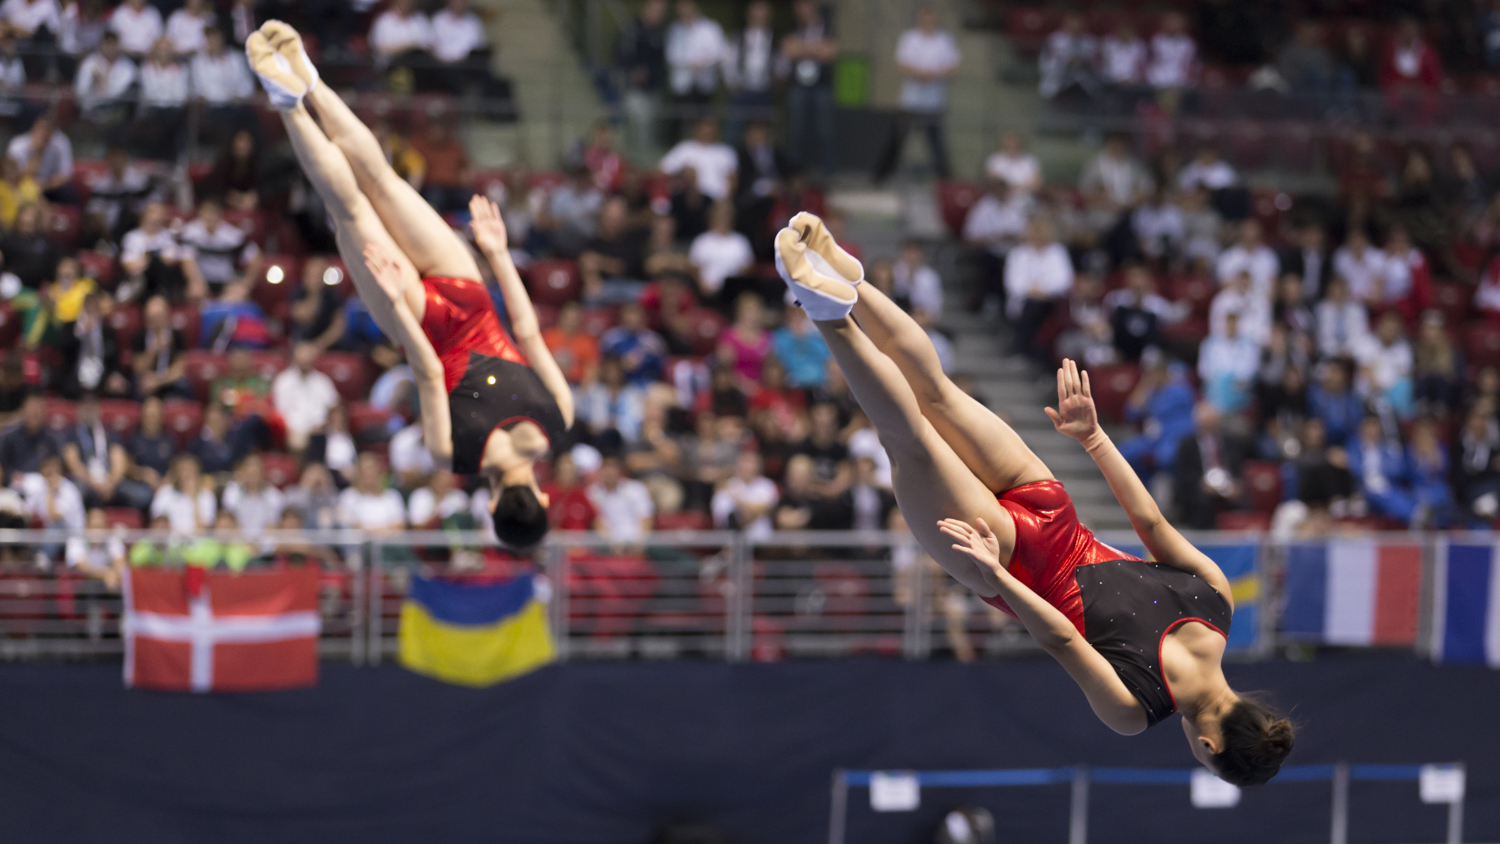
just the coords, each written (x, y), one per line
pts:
(1438, 783)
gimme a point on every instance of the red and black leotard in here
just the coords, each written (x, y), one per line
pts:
(490, 384)
(1123, 606)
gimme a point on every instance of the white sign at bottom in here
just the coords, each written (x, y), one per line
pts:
(894, 791)
(1442, 784)
(1210, 792)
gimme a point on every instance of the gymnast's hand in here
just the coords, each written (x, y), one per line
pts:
(488, 226)
(1075, 415)
(976, 540)
(387, 272)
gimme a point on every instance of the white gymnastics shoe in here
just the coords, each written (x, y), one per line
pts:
(285, 40)
(819, 289)
(282, 85)
(814, 233)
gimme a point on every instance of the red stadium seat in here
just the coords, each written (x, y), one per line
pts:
(1196, 290)
(120, 416)
(281, 469)
(1483, 344)
(128, 518)
(84, 171)
(1262, 484)
(683, 520)
(187, 322)
(1243, 520)
(183, 419)
(546, 315)
(252, 223)
(1453, 300)
(269, 362)
(553, 282)
(126, 321)
(366, 422)
(63, 224)
(98, 266)
(1111, 386)
(708, 324)
(596, 321)
(61, 413)
(350, 373)
(203, 366)
(954, 201)
(10, 326)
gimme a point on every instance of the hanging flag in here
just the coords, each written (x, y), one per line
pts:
(474, 634)
(1467, 624)
(1353, 592)
(1240, 562)
(210, 631)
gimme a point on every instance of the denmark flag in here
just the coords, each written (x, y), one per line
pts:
(207, 631)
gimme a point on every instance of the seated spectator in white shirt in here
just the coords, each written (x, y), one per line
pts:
(138, 24)
(746, 501)
(156, 263)
(624, 504)
(1385, 364)
(1116, 175)
(116, 197)
(433, 504)
(185, 29)
(1159, 226)
(1122, 57)
(610, 402)
(721, 252)
(369, 504)
(1227, 362)
(1013, 165)
(1250, 254)
(255, 503)
(53, 499)
(1207, 170)
(458, 34)
(1342, 320)
(221, 249)
(303, 396)
(46, 155)
(1174, 55)
(993, 226)
(220, 75)
(1238, 298)
(157, 131)
(916, 284)
(411, 460)
(12, 75)
(83, 27)
(1038, 273)
(27, 18)
(1360, 263)
(186, 500)
(401, 32)
(713, 162)
(103, 79)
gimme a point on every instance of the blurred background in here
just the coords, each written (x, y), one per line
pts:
(1268, 231)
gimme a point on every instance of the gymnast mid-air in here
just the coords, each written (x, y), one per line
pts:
(1142, 639)
(490, 406)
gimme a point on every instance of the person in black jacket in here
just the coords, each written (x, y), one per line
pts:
(1205, 475)
(91, 354)
(642, 55)
(763, 171)
(1309, 260)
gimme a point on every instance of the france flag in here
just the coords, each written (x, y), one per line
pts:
(1467, 622)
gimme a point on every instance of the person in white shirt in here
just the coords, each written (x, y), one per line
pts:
(694, 49)
(431, 505)
(993, 226)
(1122, 58)
(1227, 362)
(1069, 59)
(221, 80)
(749, 65)
(220, 248)
(1385, 366)
(83, 27)
(303, 396)
(256, 504)
(1174, 56)
(746, 501)
(12, 76)
(927, 57)
(1013, 165)
(1208, 171)
(624, 504)
(1038, 273)
(916, 282)
(1238, 299)
(400, 30)
(53, 499)
(155, 262)
(116, 196)
(1404, 265)
(186, 500)
(102, 81)
(46, 155)
(411, 460)
(185, 29)
(1342, 320)
(1359, 264)
(29, 17)
(157, 131)
(1250, 254)
(138, 24)
(1159, 225)
(721, 252)
(1117, 175)
(369, 504)
(457, 32)
(713, 162)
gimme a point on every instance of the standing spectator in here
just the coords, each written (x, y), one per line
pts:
(1227, 362)
(303, 396)
(185, 499)
(157, 354)
(46, 156)
(917, 284)
(1122, 65)
(23, 446)
(1069, 59)
(927, 57)
(761, 178)
(713, 163)
(1038, 273)
(460, 44)
(1206, 471)
(1174, 56)
(222, 81)
(749, 63)
(611, 403)
(624, 505)
(152, 446)
(643, 58)
(401, 36)
(801, 349)
(369, 503)
(1116, 175)
(187, 31)
(575, 350)
(432, 505)
(746, 501)
(1250, 254)
(1014, 166)
(639, 349)
(1385, 367)
(807, 55)
(138, 25)
(53, 499)
(1342, 321)
(721, 252)
(1410, 66)
(157, 131)
(445, 184)
(695, 48)
(256, 504)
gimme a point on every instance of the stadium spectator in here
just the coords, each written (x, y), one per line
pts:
(1385, 367)
(431, 506)
(1307, 65)
(832, 470)
(46, 156)
(800, 348)
(186, 31)
(1206, 471)
(1208, 170)
(1379, 466)
(1237, 298)
(445, 182)
(221, 80)
(993, 226)
(459, 42)
(369, 503)
(611, 403)
(256, 504)
(1427, 465)
(23, 446)
(745, 344)
(747, 499)
(1173, 64)
(1476, 451)
(316, 316)
(16, 189)
(156, 264)
(239, 174)
(1250, 254)
(38, 21)
(639, 349)
(1342, 321)
(28, 254)
(1136, 314)
(84, 25)
(219, 444)
(1122, 60)
(1358, 66)
(927, 58)
(1038, 272)
(12, 75)
(568, 503)
(402, 35)
(220, 248)
(624, 506)
(1160, 227)
(1115, 176)
(54, 500)
(303, 396)
(613, 258)
(575, 350)
(713, 163)
(1359, 264)
(152, 446)
(1014, 166)
(916, 284)
(641, 55)
(806, 62)
(315, 499)
(1437, 367)
(1069, 60)
(1162, 401)
(721, 253)
(1410, 65)
(116, 197)
(695, 48)
(411, 460)
(157, 354)
(138, 25)
(749, 67)
(1227, 362)
(1308, 260)
(570, 216)
(1333, 401)
(90, 352)
(185, 500)
(1406, 283)
(761, 180)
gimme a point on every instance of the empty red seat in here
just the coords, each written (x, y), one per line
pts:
(683, 520)
(98, 266)
(85, 171)
(350, 373)
(187, 322)
(268, 362)
(1482, 342)
(120, 416)
(128, 518)
(596, 321)
(1243, 520)
(708, 324)
(126, 321)
(10, 326)
(281, 469)
(553, 282)
(954, 201)
(366, 422)
(1111, 386)
(63, 224)
(61, 413)
(183, 419)
(203, 366)
(1196, 290)
(1453, 300)
(1262, 484)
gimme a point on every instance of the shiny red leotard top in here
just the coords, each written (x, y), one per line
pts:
(460, 318)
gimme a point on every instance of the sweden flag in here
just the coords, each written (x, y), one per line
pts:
(474, 635)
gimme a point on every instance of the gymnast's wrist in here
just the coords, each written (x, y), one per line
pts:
(1095, 441)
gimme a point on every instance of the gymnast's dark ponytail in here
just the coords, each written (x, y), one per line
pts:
(1256, 741)
(520, 518)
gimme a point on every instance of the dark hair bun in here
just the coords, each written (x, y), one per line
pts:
(1255, 742)
(520, 518)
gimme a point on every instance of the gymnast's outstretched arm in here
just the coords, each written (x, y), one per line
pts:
(490, 235)
(426, 366)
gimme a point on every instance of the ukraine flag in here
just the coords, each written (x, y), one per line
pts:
(474, 635)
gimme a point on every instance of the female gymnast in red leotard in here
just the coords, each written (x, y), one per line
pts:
(1143, 640)
(490, 406)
